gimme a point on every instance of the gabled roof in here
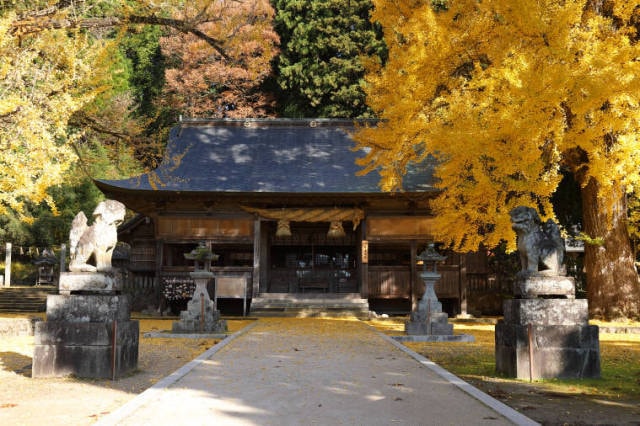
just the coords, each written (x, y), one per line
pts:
(263, 156)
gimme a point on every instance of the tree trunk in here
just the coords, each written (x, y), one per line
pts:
(613, 287)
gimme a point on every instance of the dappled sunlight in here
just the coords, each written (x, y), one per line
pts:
(318, 152)
(240, 153)
(341, 391)
(287, 155)
(616, 403)
(211, 362)
(22, 345)
(391, 326)
(40, 315)
(621, 343)
(374, 398)
(236, 408)
(204, 401)
(166, 324)
(280, 357)
(628, 323)
(392, 374)
(620, 338)
(619, 352)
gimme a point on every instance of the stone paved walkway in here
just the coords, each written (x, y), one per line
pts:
(311, 371)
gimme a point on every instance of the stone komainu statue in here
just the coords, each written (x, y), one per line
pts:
(540, 246)
(97, 240)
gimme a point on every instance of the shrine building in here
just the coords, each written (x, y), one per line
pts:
(295, 225)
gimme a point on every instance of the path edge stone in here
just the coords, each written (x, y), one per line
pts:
(149, 394)
(499, 407)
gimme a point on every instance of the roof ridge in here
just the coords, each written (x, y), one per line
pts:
(250, 122)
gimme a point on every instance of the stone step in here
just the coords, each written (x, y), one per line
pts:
(25, 299)
(310, 305)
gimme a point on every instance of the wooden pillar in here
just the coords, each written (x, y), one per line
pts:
(7, 266)
(257, 255)
(463, 285)
(363, 261)
(414, 276)
(157, 283)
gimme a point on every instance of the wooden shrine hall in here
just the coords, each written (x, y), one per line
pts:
(281, 202)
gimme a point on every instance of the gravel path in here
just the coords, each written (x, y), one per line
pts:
(308, 371)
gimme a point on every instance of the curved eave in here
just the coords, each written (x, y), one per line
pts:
(147, 201)
(109, 188)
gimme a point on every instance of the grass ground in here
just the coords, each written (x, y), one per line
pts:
(620, 359)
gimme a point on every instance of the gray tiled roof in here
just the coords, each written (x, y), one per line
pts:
(268, 156)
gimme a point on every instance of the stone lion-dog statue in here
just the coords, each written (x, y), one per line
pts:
(97, 240)
(540, 246)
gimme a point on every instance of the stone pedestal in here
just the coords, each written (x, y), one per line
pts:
(107, 282)
(88, 332)
(428, 323)
(436, 323)
(429, 319)
(201, 315)
(530, 286)
(547, 338)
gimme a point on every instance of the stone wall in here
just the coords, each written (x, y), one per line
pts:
(11, 327)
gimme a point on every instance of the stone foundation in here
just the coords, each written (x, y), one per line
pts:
(563, 344)
(436, 324)
(87, 335)
(88, 308)
(200, 317)
(10, 327)
(85, 349)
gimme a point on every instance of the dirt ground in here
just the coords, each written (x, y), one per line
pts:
(552, 408)
(72, 401)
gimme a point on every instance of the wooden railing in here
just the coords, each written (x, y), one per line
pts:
(482, 282)
(449, 283)
(389, 282)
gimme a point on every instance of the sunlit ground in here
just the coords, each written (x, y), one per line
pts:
(619, 353)
(15, 349)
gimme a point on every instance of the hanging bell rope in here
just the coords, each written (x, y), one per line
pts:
(311, 215)
(284, 228)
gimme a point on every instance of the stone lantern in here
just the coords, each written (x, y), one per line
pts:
(428, 323)
(429, 319)
(201, 315)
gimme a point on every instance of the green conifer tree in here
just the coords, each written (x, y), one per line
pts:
(320, 68)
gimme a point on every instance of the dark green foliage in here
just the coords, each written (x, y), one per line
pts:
(50, 229)
(504, 265)
(142, 48)
(147, 80)
(320, 69)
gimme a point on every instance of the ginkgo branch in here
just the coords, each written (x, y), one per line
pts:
(32, 25)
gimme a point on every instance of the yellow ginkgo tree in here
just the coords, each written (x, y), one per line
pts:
(504, 94)
(43, 81)
(56, 57)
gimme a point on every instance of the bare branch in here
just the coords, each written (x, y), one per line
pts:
(35, 24)
(180, 25)
(80, 119)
